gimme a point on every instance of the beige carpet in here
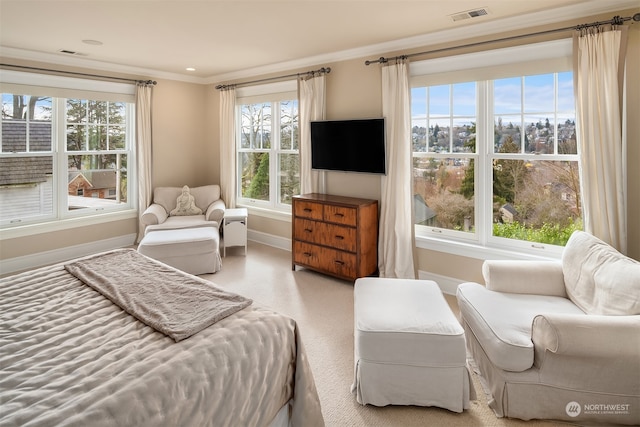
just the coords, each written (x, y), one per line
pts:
(323, 307)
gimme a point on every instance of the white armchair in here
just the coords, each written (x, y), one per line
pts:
(158, 216)
(559, 340)
(182, 228)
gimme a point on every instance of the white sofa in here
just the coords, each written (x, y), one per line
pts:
(559, 340)
(182, 228)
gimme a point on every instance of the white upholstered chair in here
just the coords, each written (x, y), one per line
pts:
(559, 340)
(182, 228)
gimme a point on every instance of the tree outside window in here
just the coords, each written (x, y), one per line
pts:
(268, 153)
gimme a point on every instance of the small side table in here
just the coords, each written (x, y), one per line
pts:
(234, 227)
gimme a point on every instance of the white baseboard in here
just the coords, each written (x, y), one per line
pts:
(448, 285)
(269, 240)
(40, 259)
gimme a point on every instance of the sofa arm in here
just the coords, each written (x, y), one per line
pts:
(215, 211)
(587, 336)
(154, 214)
(524, 277)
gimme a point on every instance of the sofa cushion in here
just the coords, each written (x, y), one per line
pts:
(598, 278)
(502, 322)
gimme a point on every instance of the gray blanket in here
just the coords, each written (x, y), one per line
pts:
(169, 301)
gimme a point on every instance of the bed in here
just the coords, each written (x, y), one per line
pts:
(69, 355)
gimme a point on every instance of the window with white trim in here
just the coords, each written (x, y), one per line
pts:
(268, 146)
(64, 156)
(495, 158)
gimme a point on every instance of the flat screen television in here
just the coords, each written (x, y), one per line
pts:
(356, 145)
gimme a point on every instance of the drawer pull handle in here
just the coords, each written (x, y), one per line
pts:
(307, 254)
(307, 209)
(339, 214)
(308, 230)
(339, 262)
(340, 237)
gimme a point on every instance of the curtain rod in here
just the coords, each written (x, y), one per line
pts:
(24, 67)
(616, 20)
(312, 73)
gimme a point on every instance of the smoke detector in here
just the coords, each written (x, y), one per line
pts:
(468, 14)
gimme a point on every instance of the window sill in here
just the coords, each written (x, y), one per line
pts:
(267, 213)
(65, 224)
(472, 250)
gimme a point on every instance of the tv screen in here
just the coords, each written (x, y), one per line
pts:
(348, 145)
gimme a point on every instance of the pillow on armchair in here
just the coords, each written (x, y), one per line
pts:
(185, 204)
(206, 198)
(598, 278)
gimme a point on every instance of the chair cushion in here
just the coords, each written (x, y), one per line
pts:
(502, 322)
(598, 278)
(178, 222)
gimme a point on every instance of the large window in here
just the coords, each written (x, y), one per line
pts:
(268, 152)
(63, 157)
(495, 160)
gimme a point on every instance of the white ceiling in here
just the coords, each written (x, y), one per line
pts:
(223, 39)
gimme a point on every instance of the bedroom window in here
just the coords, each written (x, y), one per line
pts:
(63, 157)
(268, 151)
(495, 159)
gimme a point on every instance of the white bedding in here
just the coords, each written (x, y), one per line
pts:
(68, 356)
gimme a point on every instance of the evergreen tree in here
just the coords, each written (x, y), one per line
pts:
(508, 175)
(259, 188)
(468, 182)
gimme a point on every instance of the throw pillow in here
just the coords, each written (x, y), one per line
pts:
(185, 204)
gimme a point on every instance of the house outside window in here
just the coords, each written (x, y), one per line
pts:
(495, 160)
(268, 146)
(64, 157)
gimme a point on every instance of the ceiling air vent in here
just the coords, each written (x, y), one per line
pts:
(469, 14)
(71, 52)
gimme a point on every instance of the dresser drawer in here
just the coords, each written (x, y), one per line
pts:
(335, 236)
(308, 210)
(340, 215)
(306, 254)
(339, 237)
(338, 263)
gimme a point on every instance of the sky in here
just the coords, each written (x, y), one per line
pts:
(533, 95)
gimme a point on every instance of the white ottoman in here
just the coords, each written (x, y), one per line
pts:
(409, 346)
(194, 250)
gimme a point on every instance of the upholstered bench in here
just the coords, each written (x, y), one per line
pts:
(409, 346)
(194, 250)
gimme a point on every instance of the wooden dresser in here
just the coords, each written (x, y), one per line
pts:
(335, 235)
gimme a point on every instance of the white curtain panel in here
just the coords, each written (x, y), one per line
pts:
(228, 147)
(311, 93)
(396, 239)
(143, 151)
(599, 57)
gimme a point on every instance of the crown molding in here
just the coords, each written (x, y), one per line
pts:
(546, 17)
(92, 64)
